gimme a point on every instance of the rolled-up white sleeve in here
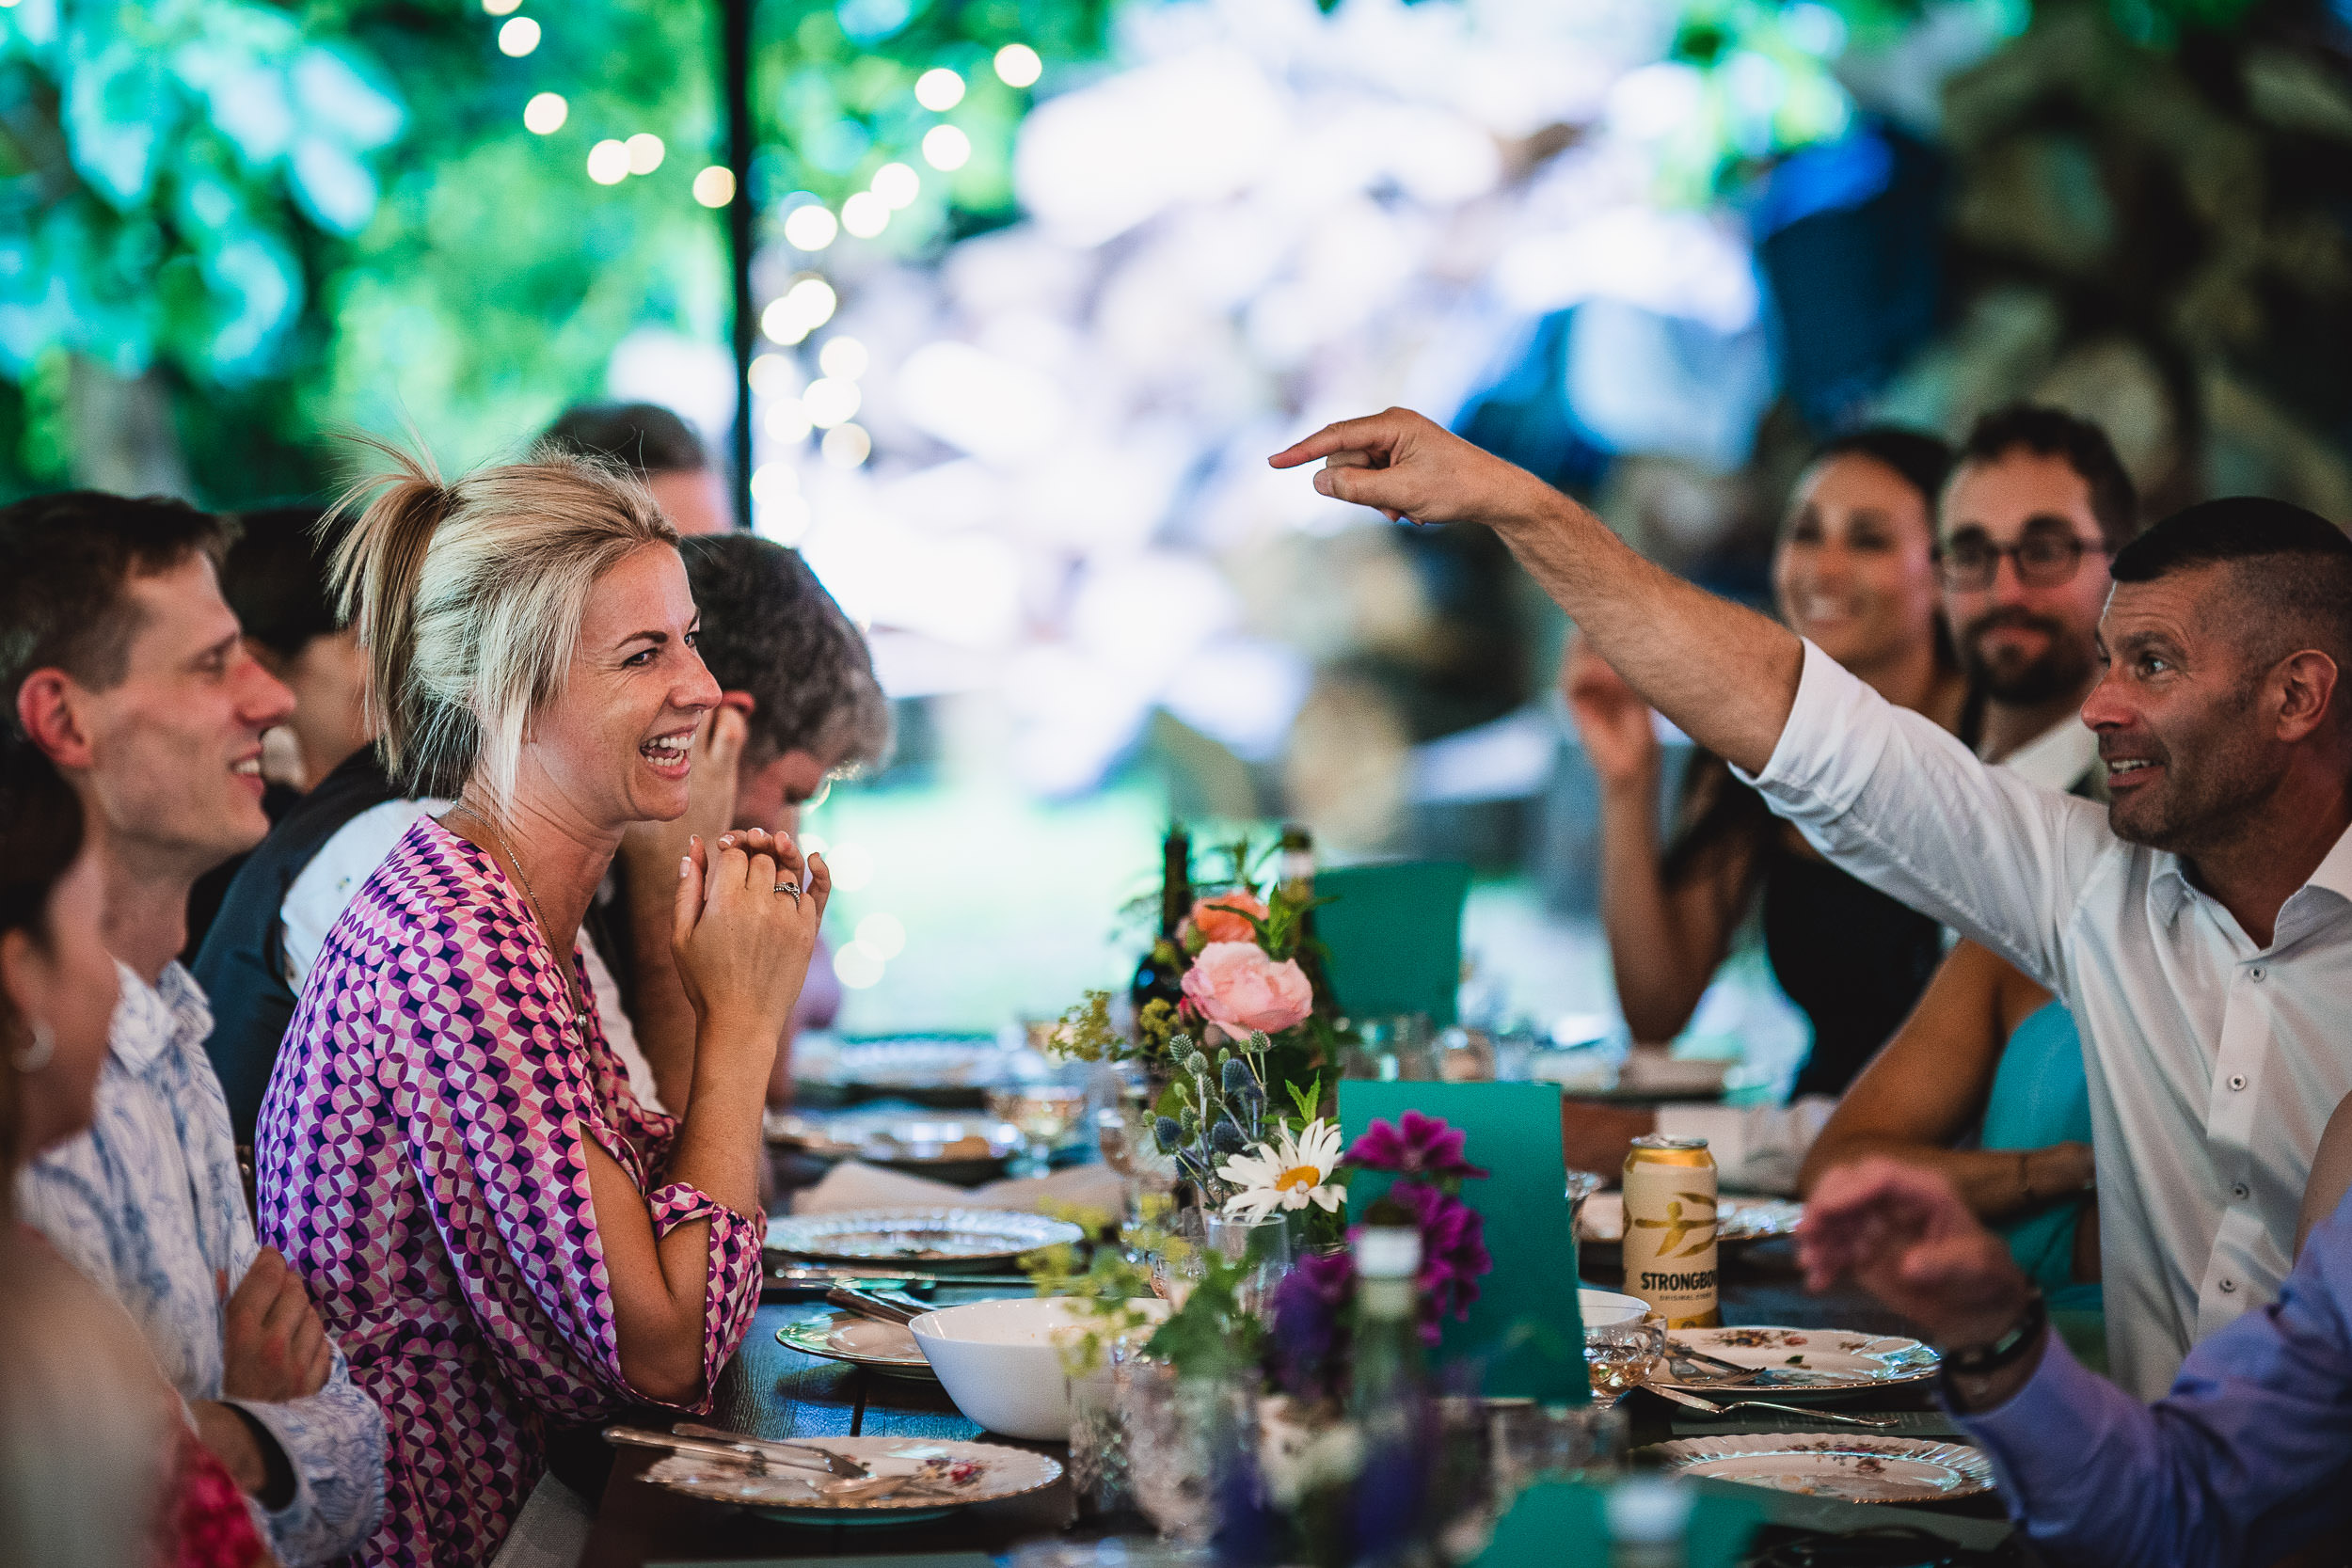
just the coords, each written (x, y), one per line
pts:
(1890, 797)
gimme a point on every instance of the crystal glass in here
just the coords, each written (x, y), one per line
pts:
(1099, 1476)
(1123, 1132)
(1618, 1356)
(1529, 1441)
(1388, 1049)
(1466, 1057)
(1182, 1435)
(1044, 1114)
(1265, 1244)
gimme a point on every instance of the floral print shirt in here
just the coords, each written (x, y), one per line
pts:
(149, 1206)
(423, 1164)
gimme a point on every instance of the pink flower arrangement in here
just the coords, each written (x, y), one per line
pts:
(1235, 986)
(1226, 917)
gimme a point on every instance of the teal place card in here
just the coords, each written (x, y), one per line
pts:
(1525, 1327)
(1394, 936)
(1563, 1523)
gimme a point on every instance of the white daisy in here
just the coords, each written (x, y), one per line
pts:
(1285, 1172)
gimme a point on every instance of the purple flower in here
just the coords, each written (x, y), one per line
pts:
(1453, 1254)
(1306, 1330)
(1417, 1146)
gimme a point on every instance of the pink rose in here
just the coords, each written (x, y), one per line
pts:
(1238, 988)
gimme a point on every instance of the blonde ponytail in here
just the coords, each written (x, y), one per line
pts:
(467, 599)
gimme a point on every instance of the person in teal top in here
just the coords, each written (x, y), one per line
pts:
(1985, 1084)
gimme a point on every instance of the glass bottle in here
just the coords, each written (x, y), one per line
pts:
(1159, 976)
(1389, 1403)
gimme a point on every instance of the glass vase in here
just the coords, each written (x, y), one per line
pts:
(1264, 1245)
(1184, 1436)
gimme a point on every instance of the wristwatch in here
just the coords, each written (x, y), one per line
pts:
(1986, 1359)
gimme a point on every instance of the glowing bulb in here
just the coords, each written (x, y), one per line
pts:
(544, 114)
(518, 36)
(810, 228)
(1017, 65)
(772, 482)
(947, 148)
(938, 89)
(831, 402)
(846, 446)
(501, 8)
(715, 185)
(813, 300)
(644, 153)
(865, 214)
(787, 421)
(843, 359)
(882, 935)
(856, 967)
(608, 162)
(773, 376)
(898, 184)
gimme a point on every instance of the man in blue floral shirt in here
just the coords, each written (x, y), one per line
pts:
(121, 662)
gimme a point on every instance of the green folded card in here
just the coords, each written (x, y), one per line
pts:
(1564, 1524)
(1525, 1327)
(1394, 933)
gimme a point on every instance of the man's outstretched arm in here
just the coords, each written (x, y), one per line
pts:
(1726, 675)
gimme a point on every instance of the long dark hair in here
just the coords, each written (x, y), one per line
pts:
(1720, 812)
(40, 836)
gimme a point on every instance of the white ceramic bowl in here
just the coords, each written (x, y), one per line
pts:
(1001, 1361)
(1607, 1308)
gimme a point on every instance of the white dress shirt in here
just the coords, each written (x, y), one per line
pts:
(1760, 1148)
(325, 887)
(2214, 1063)
(148, 1205)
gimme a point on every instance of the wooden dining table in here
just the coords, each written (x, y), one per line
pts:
(770, 1391)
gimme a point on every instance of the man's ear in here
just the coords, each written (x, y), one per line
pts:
(2307, 690)
(741, 702)
(49, 705)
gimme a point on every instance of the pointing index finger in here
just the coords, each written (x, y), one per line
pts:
(1374, 432)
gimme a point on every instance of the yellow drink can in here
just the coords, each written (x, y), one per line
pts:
(1670, 1229)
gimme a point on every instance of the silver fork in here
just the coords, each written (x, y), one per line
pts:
(1710, 1407)
(840, 1463)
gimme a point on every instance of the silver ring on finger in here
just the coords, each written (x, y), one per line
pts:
(792, 888)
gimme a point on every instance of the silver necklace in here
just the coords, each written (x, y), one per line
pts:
(571, 985)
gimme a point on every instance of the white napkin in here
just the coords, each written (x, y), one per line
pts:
(854, 1184)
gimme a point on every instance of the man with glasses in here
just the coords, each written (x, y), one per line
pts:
(2198, 928)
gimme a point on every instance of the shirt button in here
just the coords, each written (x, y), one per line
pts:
(2229, 1286)
(2239, 1191)
(2237, 1081)
(2258, 972)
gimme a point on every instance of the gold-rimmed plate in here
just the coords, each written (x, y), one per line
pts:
(935, 1237)
(938, 1477)
(1795, 1362)
(1850, 1469)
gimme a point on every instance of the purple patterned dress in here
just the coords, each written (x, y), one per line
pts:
(422, 1166)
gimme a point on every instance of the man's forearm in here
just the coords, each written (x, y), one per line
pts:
(1725, 675)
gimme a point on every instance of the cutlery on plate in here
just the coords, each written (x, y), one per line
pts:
(870, 1304)
(733, 1452)
(1680, 1351)
(840, 1463)
(1712, 1408)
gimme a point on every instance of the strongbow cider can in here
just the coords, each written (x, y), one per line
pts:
(1670, 1229)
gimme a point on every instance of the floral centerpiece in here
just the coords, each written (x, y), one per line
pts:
(1248, 1032)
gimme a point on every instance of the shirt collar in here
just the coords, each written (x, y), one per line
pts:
(152, 1020)
(2058, 758)
(2172, 889)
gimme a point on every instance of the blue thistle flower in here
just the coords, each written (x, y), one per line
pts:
(1236, 1078)
(1167, 1134)
(1226, 1138)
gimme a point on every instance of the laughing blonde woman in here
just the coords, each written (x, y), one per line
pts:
(504, 1241)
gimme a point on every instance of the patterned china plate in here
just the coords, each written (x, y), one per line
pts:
(944, 1476)
(885, 1348)
(942, 1238)
(1739, 1220)
(900, 1135)
(1799, 1361)
(1852, 1469)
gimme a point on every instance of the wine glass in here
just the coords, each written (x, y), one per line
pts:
(1619, 1356)
(1044, 1114)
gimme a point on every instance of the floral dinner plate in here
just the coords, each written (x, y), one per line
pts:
(1852, 1469)
(914, 1479)
(1797, 1361)
(938, 1238)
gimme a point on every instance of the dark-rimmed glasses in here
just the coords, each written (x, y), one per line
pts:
(2049, 554)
